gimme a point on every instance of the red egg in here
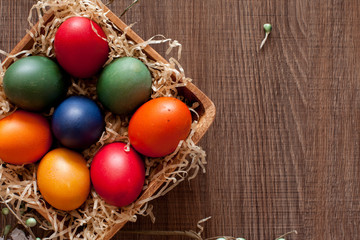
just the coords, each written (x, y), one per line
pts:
(117, 176)
(81, 47)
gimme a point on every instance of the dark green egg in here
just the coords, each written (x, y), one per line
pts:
(124, 85)
(34, 83)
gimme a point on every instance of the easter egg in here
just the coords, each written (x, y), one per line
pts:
(124, 85)
(117, 176)
(81, 47)
(34, 83)
(158, 126)
(63, 179)
(24, 137)
(77, 122)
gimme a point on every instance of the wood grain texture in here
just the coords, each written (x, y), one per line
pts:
(283, 152)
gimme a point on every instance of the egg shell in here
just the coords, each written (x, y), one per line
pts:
(63, 179)
(77, 122)
(35, 83)
(117, 176)
(81, 47)
(157, 127)
(124, 85)
(24, 137)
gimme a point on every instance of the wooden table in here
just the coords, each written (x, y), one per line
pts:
(283, 152)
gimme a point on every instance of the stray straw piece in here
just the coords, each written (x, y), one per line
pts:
(288, 233)
(128, 8)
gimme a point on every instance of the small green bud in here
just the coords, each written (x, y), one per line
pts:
(7, 229)
(267, 27)
(240, 239)
(31, 222)
(38, 239)
(5, 211)
(221, 238)
(280, 239)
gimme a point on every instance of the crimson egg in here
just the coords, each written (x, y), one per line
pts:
(81, 47)
(117, 175)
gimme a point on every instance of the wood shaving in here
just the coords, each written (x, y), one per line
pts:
(95, 218)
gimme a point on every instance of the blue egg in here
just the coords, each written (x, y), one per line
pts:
(77, 122)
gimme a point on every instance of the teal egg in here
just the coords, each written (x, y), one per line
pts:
(124, 85)
(34, 83)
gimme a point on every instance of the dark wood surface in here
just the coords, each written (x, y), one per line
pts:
(283, 152)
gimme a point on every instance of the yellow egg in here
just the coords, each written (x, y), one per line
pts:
(64, 179)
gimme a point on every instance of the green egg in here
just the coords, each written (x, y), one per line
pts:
(34, 83)
(124, 85)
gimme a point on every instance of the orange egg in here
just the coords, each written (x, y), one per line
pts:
(158, 126)
(64, 179)
(24, 137)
